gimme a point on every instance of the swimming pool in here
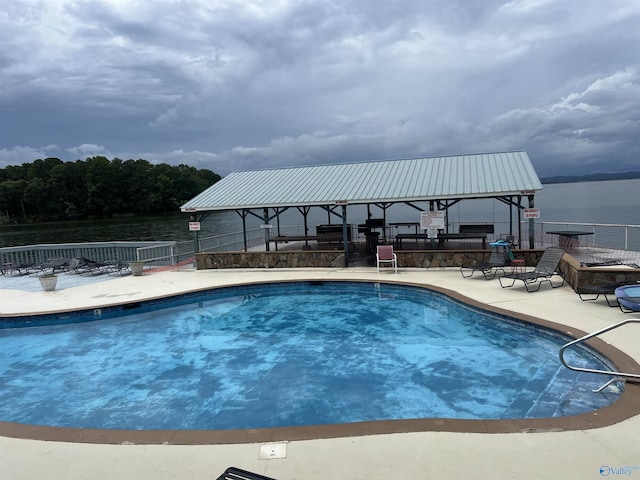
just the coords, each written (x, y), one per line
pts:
(288, 354)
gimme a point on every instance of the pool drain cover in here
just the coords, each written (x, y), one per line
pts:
(273, 450)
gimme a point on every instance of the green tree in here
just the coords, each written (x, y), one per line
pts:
(99, 182)
(50, 189)
(11, 200)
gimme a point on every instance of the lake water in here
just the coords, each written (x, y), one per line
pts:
(608, 202)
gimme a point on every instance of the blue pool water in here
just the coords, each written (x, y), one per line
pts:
(290, 354)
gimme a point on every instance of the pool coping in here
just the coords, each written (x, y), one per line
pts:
(627, 406)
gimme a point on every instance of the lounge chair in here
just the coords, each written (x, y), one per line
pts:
(117, 267)
(82, 265)
(55, 265)
(233, 473)
(545, 269)
(498, 260)
(21, 268)
(590, 293)
(628, 297)
(385, 254)
(7, 268)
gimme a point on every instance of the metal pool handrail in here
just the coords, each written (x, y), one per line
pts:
(616, 375)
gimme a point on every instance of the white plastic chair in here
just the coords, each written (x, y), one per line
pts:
(385, 255)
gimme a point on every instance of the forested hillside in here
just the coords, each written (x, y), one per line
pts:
(593, 177)
(97, 187)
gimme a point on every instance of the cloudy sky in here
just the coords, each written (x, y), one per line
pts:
(239, 84)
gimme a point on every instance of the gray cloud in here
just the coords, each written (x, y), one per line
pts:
(238, 85)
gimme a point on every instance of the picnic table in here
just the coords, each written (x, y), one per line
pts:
(569, 238)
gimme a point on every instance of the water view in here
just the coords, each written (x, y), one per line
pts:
(607, 202)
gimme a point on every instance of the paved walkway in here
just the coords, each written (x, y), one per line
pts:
(577, 454)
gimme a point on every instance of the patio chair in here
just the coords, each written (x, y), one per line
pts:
(591, 293)
(117, 267)
(385, 254)
(233, 473)
(498, 260)
(10, 268)
(55, 265)
(545, 269)
(81, 265)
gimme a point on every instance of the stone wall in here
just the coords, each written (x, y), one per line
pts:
(577, 276)
(288, 259)
(335, 258)
(455, 258)
(573, 273)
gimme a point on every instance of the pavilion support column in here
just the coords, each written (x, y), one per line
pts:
(244, 232)
(243, 214)
(519, 220)
(532, 225)
(305, 213)
(345, 235)
(511, 217)
(196, 239)
(267, 233)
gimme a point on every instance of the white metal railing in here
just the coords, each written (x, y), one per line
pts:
(98, 251)
(163, 254)
(232, 242)
(616, 375)
(604, 234)
(616, 236)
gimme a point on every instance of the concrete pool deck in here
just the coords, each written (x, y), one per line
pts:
(577, 454)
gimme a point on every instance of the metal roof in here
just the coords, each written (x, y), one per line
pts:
(484, 175)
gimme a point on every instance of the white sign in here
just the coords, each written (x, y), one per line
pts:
(531, 213)
(432, 220)
(194, 226)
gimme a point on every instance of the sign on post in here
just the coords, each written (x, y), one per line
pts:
(194, 226)
(531, 213)
(432, 220)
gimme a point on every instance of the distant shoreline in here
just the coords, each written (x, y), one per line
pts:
(593, 177)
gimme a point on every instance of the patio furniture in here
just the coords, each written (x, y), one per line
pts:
(477, 228)
(591, 293)
(444, 237)
(55, 265)
(82, 265)
(6, 268)
(518, 265)
(497, 261)
(385, 254)
(117, 267)
(10, 268)
(293, 238)
(331, 237)
(544, 271)
(569, 238)
(415, 237)
(234, 473)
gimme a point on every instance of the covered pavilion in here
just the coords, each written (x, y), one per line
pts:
(432, 184)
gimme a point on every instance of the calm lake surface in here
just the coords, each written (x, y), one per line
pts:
(608, 202)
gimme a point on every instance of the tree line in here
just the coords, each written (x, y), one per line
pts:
(591, 177)
(97, 187)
